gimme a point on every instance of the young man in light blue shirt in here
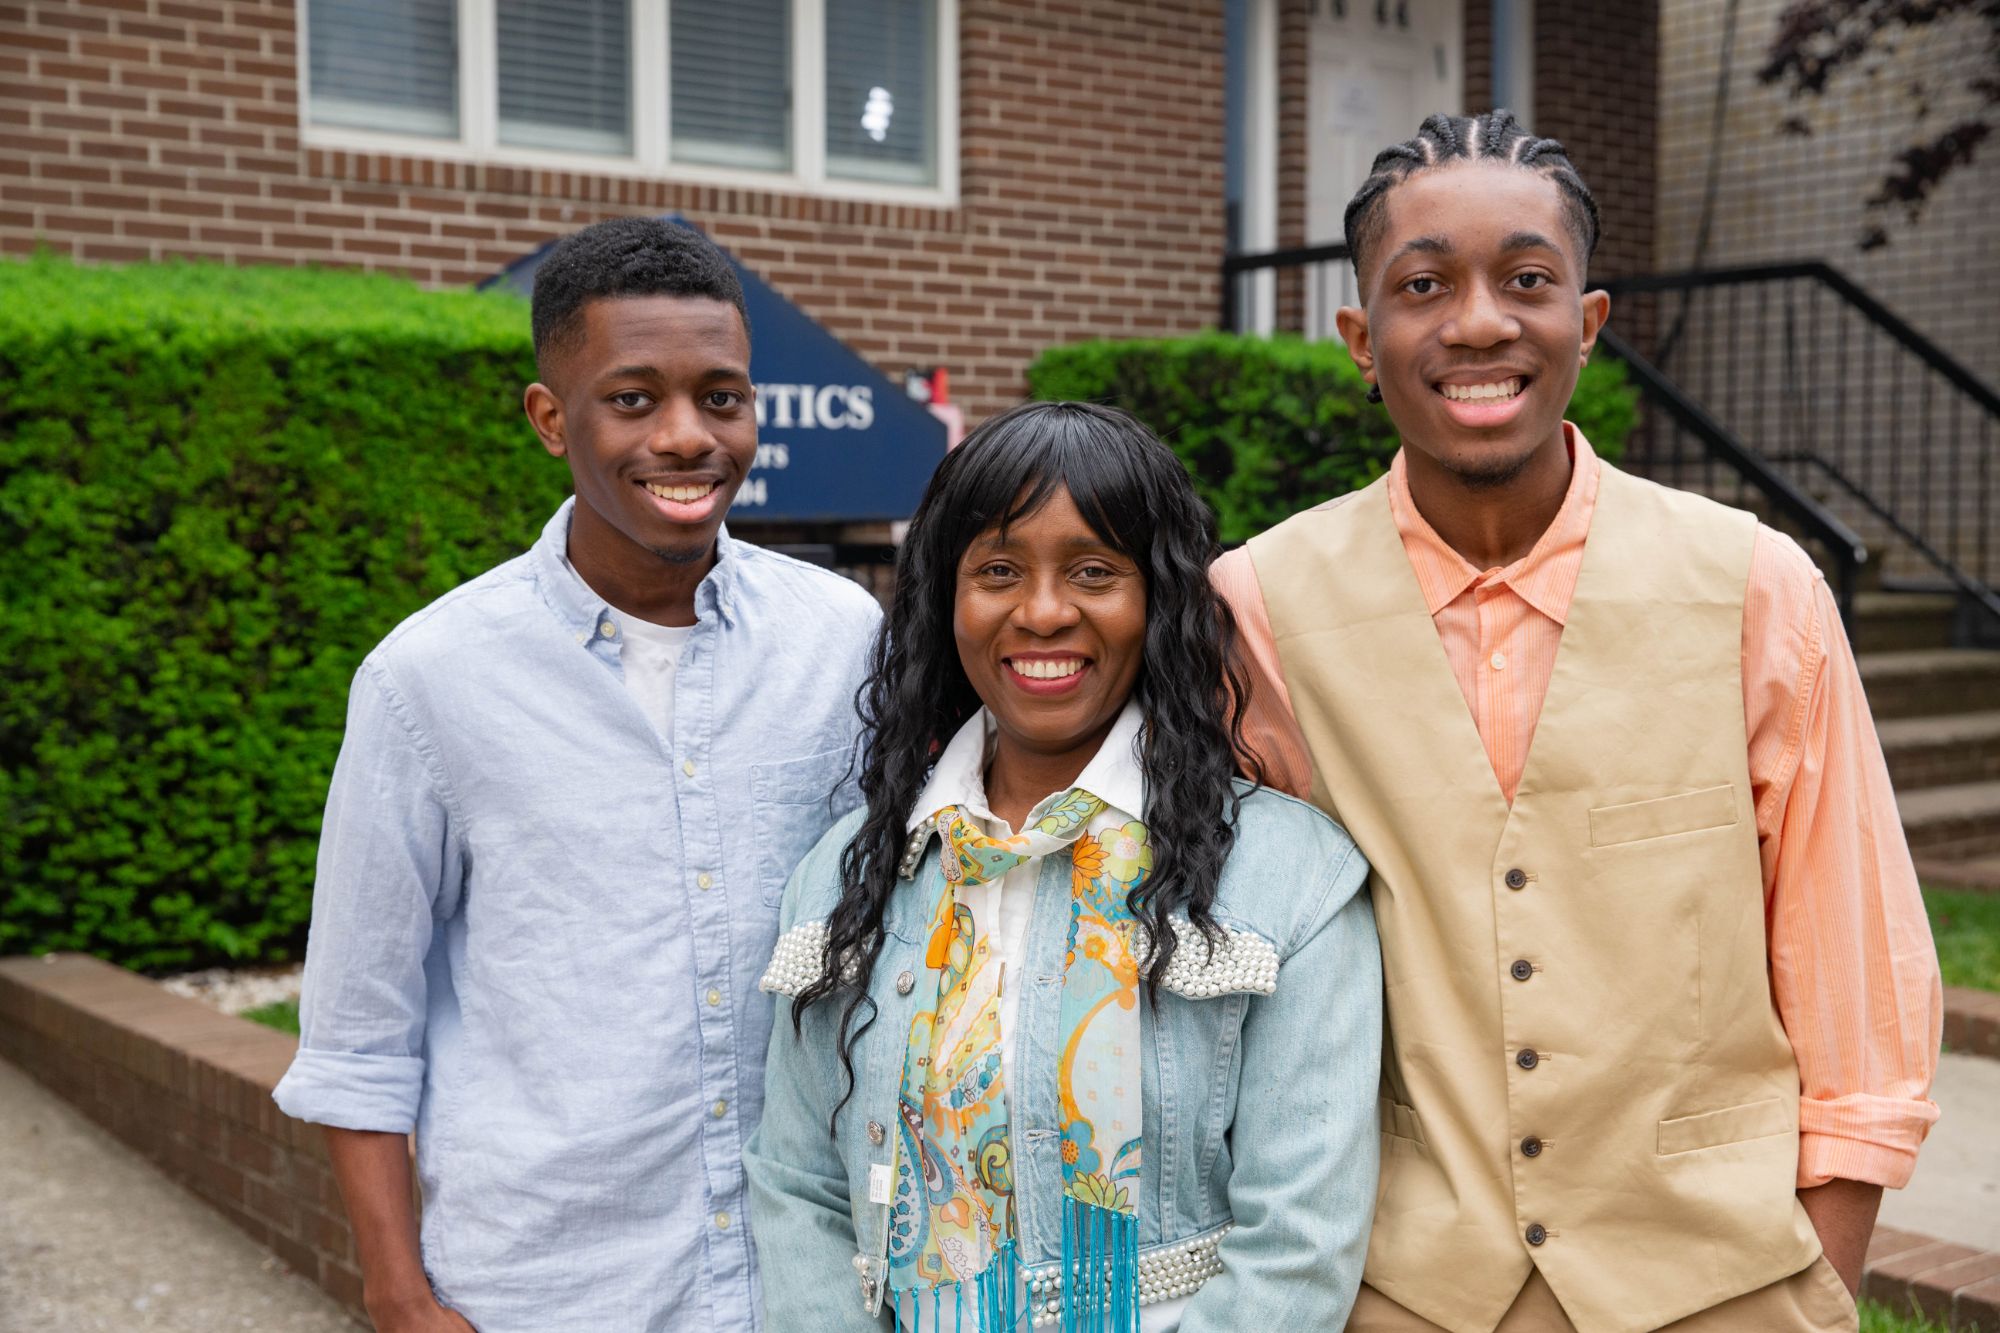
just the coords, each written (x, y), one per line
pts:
(567, 803)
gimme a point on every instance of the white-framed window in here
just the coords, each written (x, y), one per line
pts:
(853, 98)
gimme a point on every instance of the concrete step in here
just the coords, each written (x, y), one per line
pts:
(1887, 622)
(1941, 750)
(1961, 821)
(1929, 681)
(1980, 874)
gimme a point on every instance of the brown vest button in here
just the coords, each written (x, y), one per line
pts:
(1522, 969)
(1537, 1233)
(1527, 1059)
(1517, 879)
(1531, 1147)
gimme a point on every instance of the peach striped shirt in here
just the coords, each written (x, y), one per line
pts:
(1853, 968)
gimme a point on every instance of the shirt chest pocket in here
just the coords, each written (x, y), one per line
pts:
(795, 803)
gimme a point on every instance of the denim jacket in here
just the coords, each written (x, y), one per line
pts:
(1258, 1184)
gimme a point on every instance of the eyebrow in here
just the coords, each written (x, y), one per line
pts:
(1529, 240)
(653, 373)
(1002, 541)
(1422, 245)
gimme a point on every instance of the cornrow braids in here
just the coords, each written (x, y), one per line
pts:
(1441, 140)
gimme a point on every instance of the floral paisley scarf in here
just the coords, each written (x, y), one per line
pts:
(951, 1224)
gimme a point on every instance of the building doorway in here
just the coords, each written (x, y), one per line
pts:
(1378, 67)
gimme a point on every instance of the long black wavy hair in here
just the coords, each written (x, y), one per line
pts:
(1138, 499)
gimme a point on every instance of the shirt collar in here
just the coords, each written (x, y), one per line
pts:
(1113, 775)
(1544, 578)
(579, 607)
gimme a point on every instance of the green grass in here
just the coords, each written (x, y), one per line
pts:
(1880, 1319)
(284, 1016)
(1967, 929)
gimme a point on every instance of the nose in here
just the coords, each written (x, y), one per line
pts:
(1481, 320)
(1046, 606)
(679, 430)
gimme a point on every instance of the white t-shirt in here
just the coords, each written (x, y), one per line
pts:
(1001, 909)
(651, 656)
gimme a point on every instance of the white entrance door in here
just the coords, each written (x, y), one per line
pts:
(1378, 68)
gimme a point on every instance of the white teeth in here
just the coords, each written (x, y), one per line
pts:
(1476, 393)
(684, 494)
(1046, 668)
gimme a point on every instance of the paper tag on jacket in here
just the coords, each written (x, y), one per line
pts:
(881, 1182)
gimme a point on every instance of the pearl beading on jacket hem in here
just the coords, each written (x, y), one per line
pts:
(1167, 1273)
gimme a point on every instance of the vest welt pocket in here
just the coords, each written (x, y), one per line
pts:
(1688, 812)
(1401, 1130)
(1732, 1124)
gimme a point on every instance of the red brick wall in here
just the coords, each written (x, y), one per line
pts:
(1478, 15)
(1090, 203)
(1597, 88)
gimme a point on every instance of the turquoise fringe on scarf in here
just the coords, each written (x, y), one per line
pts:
(1100, 1269)
(995, 1292)
(1100, 1282)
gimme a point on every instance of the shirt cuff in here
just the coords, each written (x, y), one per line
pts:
(348, 1091)
(1861, 1137)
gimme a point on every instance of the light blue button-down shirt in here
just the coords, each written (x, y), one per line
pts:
(538, 927)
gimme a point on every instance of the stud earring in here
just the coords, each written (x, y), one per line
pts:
(1374, 393)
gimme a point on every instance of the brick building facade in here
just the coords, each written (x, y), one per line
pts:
(1090, 204)
(1086, 199)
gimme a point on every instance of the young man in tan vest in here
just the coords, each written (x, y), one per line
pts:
(1663, 1006)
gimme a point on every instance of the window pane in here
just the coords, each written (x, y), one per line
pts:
(731, 70)
(881, 90)
(565, 74)
(384, 65)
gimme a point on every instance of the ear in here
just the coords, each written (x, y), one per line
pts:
(1352, 321)
(1596, 309)
(545, 414)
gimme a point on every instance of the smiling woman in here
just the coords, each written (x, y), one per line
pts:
(1125, 992)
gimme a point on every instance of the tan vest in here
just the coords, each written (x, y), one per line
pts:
(1622, 1111)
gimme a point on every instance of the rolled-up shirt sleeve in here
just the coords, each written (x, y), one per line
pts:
(389, 870)
(1853, 969)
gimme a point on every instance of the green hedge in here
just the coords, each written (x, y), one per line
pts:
(1270, 426)
(218, 489)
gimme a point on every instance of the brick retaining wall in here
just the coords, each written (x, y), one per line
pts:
(190, 1088)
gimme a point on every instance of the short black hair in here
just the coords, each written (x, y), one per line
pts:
(1442, 140)
(631, 256)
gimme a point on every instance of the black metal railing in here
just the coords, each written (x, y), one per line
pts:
(1292, 291)
(1679, 443)
(1846, 400)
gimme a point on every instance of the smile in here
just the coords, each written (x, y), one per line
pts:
(686, 493)
(1047, 668)
(1058, 673)
(1497, 391)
